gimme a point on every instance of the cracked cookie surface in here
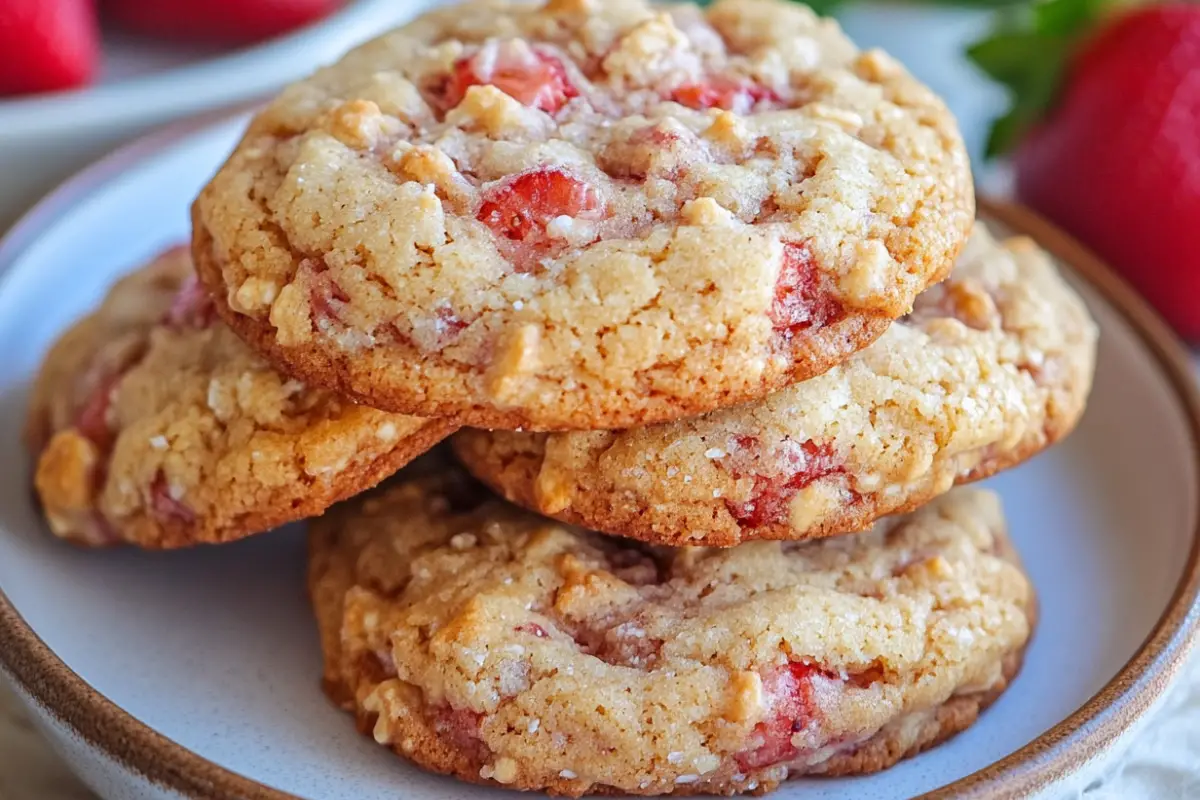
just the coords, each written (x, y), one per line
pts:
(993, 366)
(483, 641)
(154, 425)
(585, 214)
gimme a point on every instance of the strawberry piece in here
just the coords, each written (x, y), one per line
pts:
(518, 209)
(192, 307)
(47, 45)
(788, 693)
(802, 464)
(533, 629)
(800, 302)
(233, 21)
(164, 506)
(459, 726)
(448, 324)
(530, 77)
(740, 95)
(92, 419)
(326, 298)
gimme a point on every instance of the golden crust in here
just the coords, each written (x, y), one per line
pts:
(166, 432)
(482, 641)
(348, 235)
(994, 366)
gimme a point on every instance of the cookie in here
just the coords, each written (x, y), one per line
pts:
(483, 641)
(153, 424)
(585, 214)
(991, 367)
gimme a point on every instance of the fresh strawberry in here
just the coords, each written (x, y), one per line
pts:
(731, 94)
(519, 209)
(47, 45)
(531, 77)
(1113, 153)
(217, 20)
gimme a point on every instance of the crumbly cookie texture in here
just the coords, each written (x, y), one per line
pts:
(585, 214)
(153, 424)
(991, 367)
(483, 641)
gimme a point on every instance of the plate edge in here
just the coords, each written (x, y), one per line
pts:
(1052, 757)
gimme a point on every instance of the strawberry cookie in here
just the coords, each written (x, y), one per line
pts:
(584, 214)
(154, 425)
(480, 640)
(992, 366)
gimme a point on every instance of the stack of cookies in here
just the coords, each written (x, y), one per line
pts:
(699, 293)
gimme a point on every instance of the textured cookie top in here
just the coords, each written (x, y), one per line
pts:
(499, 645)
(155, 425)
(992, 366)
(584, 213)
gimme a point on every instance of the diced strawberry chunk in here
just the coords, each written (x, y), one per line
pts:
(324, 295)
(533, 78)
(166, 507)
(788, 693)
(661, 150)
(92, 419)
(192, 307)
(459, 726)
(532, 628)
(519, 209)
(800, 302)
(447, 324)
(719, 91)
(799, 464)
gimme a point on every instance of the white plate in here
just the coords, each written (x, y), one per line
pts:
(203, 665)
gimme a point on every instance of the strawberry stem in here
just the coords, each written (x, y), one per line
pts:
(1028, 51)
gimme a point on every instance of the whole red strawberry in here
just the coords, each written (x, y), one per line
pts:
(216, 20)
(46, 45)
(1113, 154)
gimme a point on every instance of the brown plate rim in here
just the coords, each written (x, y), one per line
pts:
(1056, 754)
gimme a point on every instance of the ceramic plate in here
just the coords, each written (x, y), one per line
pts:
(196, 673)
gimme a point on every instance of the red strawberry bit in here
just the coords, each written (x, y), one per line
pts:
(448, 325)
(165, 507)
(660, 150)
(519, 209)
(192, 307)
(533, 629)
(459, 726)
(740, 95)
(800, 302)
(788, 693)
(92, 419)
(324, 295)
(99, 532)
(802, 464)
(532, 78)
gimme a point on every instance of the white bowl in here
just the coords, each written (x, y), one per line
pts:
(46, 138)
(195, 674)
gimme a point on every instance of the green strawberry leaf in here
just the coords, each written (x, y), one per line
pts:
(1028, 52)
